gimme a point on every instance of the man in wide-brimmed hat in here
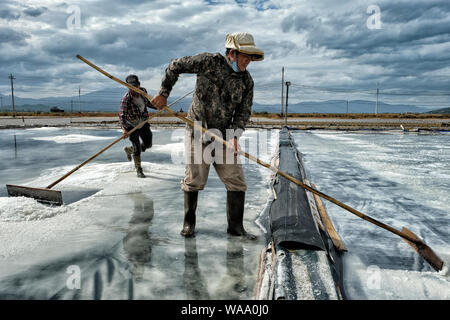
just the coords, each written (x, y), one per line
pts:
(133, 111)
(223, 103)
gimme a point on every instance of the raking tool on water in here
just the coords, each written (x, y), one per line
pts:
(424, 250)
(54, 197)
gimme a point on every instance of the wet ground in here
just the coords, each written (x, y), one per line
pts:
(367, 123)
(117, 237)
(401, 179)
(123, 240)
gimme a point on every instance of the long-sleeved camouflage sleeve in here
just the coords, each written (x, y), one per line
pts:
(191, 64)
(223, 98)
(244, 110)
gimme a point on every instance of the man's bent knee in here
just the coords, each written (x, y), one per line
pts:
(190, 187)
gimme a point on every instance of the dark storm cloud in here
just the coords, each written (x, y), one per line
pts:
(134, 45)
(9, 14)
(414, 39)
(128, 44)
(398, 47)
(403, 24)
(139, 44)
(11, 36)
(401, 12)
(35, 12)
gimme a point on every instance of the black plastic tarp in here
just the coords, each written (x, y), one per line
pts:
(291, 221)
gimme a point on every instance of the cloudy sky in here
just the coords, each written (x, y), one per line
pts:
(329, 49)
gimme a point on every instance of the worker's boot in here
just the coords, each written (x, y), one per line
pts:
(235, 214)
(137, 165)
(190, 205)
(128, 152)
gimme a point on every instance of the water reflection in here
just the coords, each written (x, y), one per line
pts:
(15, 147)
(232, 285)
(137, 239)
(193, 280)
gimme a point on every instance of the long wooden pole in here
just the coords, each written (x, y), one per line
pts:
(420, 246)
(111, 144)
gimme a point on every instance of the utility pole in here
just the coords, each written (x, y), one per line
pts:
(71, 110)
(1, 102)
(376, 106)
(11, 77)
(288, 83)
(282, 89)
(79, 98)
(347, 106)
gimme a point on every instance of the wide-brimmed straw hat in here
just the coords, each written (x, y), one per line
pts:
(244, 42)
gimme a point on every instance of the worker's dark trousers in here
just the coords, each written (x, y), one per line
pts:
(145, 133)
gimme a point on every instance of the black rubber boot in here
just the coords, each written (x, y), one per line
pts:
(137, 165)
(190, 206)
(128, 152)
(235, 214)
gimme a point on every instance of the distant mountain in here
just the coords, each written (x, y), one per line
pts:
(340, 106)
(108, 100)
(440, 111)
(103, 100)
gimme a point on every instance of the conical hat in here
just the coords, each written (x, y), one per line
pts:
(244, 42)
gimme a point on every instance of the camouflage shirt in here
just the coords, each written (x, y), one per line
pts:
(222, 99)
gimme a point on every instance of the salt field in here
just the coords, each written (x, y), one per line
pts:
(120, 232)
(121, 236)
(399, 179)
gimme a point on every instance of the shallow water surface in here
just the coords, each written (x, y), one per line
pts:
(400, 179)
(117, 237)
(122, 241)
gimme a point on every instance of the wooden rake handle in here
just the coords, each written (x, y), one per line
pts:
(118, 139)
(426, 252)
(98, 153)
(255, 159)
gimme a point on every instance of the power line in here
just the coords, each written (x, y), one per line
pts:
(376, 106)
(79, 97)
(11, 77)
(396, 92)
(329, 89)
(282, 89)
(417, 94)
